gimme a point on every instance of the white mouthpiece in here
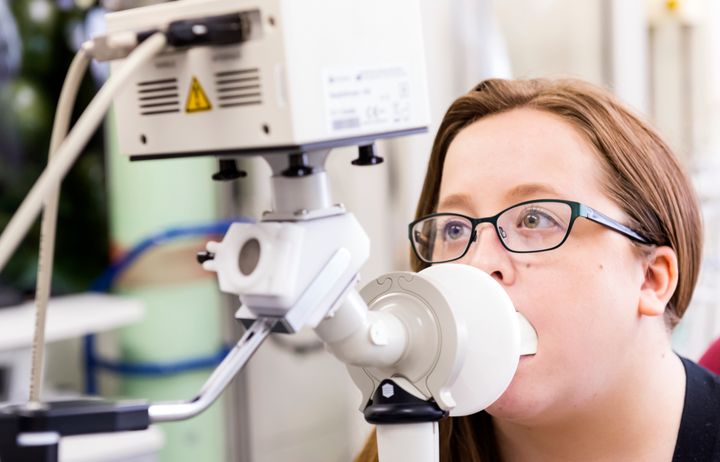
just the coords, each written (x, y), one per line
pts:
(528, 336)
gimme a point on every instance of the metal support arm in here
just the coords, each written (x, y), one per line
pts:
(220, 378)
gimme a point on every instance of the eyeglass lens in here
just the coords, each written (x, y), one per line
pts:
(529, 227)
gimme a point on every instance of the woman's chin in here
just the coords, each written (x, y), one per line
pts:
(520, 400)
(509, 406)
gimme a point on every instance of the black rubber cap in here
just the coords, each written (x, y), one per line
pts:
(298, 166)
(204, 256)
(391, 404)
(367, 156)
(228, 171)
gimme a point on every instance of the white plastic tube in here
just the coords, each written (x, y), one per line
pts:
(49, 221)
(72, 147)
(417, 442)
(363, 338)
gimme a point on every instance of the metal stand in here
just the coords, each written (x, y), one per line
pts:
(33, 434)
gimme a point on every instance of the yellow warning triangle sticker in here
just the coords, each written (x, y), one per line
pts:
(197, 100)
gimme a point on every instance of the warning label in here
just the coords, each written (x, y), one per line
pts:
(197, 100)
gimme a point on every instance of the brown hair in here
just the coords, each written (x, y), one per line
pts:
(642, 176)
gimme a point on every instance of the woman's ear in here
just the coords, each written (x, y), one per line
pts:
(661, 278)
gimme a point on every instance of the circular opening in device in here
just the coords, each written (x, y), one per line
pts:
(271, 20)
(249, 256)
(143, 139)
(266, 129)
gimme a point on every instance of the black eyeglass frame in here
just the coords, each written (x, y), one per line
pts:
(577, 210)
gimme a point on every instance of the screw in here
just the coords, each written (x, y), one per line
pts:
(204, 256)
(388, 390)
(378, 333)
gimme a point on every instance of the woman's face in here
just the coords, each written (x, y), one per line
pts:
(582, 298)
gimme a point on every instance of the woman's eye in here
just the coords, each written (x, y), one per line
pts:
(536, 219)
(454, 230)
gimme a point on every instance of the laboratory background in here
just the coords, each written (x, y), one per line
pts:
(132, 230)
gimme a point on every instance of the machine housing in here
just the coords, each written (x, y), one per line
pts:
(312, 75)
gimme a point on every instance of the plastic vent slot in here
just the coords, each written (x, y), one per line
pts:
(238, 88)
(158, 97)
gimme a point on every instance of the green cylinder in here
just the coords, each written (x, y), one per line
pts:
(182, 301)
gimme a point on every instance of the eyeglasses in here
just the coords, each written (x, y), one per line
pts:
(527, 227)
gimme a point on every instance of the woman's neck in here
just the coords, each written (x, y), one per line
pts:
(638, 420)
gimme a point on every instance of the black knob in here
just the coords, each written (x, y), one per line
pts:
(228, 171)
(297, 166)
(204, 256)
(366, 156)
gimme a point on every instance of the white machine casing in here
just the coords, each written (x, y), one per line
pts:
(313, 74)
(291, 256)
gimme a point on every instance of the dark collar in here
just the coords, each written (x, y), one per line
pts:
(699, 432)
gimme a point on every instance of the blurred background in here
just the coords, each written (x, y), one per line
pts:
(134, 228)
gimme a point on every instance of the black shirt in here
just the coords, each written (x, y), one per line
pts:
(699, 435)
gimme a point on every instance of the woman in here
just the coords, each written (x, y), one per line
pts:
(594, 231)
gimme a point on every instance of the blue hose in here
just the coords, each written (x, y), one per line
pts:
(105, 282)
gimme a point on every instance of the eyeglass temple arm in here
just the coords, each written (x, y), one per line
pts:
(597, 217)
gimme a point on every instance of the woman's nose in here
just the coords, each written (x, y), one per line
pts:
(488, 254)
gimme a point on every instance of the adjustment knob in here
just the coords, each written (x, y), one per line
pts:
(367, 156)
(228, 171)
(204, 256)
(297, 166)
